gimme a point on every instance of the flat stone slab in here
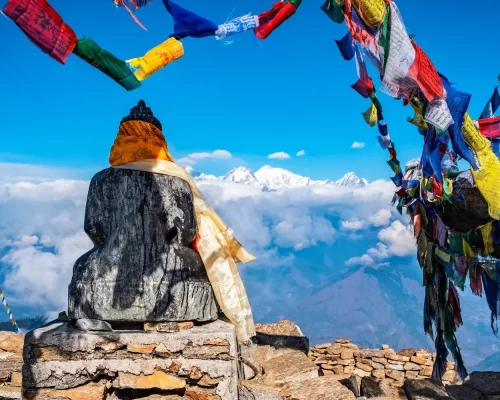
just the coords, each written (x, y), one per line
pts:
(60, 357)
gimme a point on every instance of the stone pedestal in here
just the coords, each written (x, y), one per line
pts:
(62, 362)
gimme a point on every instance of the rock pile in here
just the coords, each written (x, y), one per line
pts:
(344, 359)
(11, 362)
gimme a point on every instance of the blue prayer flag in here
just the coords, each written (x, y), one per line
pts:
(492, 106)
(187, 23)
(458, 103)
(346, 47)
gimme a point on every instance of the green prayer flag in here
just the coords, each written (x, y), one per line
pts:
(455, 243)
(385, 34)
(333, 10)
(106, 62)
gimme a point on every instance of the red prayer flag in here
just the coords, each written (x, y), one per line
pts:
(489, 127)
(270, 20)
(43, 26)
(424, 73)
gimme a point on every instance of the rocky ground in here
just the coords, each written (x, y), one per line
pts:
(287, 369)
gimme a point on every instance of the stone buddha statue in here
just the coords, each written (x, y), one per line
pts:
(144, 265)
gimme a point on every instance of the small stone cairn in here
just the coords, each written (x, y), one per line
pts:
(345, 359)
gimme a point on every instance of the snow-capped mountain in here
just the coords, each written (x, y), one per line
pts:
(269, 178)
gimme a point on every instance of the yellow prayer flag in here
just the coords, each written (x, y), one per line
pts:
(468, 252)
(372, 12)
(418, 119)
(487, 238)
(487, 177)
(370, 115)
(157, 58)
(442, 255)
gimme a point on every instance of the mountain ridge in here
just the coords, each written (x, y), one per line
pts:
(270, 178)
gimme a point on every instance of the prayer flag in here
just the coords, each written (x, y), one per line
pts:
(106, 62)
(187, 23)
(490, 127)
(426, 76)
(270, 20)
(333, 9)
(346, 47)
(458, 103)
(43, 26)
(156, 58)
(372, 12)
(492, 106)
(237, 25)
(370, 115)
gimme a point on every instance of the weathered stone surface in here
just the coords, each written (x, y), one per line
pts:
(395, 367)
(342, 341)
(409, 366)
(486, 382)
(347, 354)
(376, 365)
(450, 376)
(378, 373)
(380, 360)
(411, 374)
(134, 360)
(396, 375)
(133, 274)
(418, 360)
(324, 388)
(288, 366)
(185, 325)
(248, 390)
(426, 371)
(349, 369)
(361, 373)
(157, 380)
(364, 367)
(10, 392)
(398, 357)
(424, 389)
(11, 342)
(283, 334)
(462, 392)
(16, 379)
(407, 352)
(385, 347)
(169, 327)
(88, 392)
(87, 324)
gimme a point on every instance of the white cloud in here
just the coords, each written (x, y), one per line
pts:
(301, 153)
(281, 155)
(215, 154)
(355, 225)
(398, 238)
(186, 162)
(395, 241)
(192, 158)
(42, 225)
(358, 145)
(381, 217)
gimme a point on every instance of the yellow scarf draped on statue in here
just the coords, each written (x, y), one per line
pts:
(218, 248)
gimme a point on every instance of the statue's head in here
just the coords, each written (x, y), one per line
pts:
(139, 138)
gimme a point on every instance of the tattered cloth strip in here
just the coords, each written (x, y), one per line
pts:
(43, 26)
(333, 9)
(396, 77)
(458, 103)
(475, 278)
(438, 114)
(370, 115)
(440, 231)
(418, 108)
(346, 47)
(492, 106)
(187, 23)
(135, 4)
(492, 292)
(106, 62)
(487, 177)
(372, 12)
(425, 74)
(218, 248)
(136, 141)
(9, 313)
(237, 25)
(487, 236)
(364, 85)
(489, 127)
(270, 20)
(156, 58)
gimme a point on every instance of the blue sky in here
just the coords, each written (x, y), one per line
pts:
(252, 98)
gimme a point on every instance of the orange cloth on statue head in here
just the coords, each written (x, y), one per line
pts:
(138, 141)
